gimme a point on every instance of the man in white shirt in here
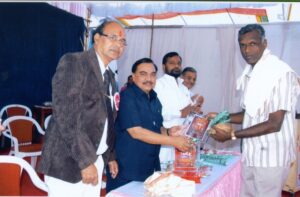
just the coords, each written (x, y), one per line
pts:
(189, 76)
(176, 105)
(270, 91)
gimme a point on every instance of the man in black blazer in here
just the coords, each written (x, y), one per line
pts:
(79, 140)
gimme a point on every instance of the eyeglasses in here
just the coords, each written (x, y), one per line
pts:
(114, 38)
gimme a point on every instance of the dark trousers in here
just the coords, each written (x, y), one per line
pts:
(114, 183)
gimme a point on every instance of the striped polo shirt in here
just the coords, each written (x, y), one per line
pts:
(279, 148)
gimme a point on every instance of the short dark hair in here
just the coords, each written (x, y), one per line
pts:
(250, 28)
(100, 28)
(188, 69)
(140, 61)
(128, 78)
(168, 55)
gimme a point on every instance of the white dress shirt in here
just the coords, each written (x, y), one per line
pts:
(173, 99)
(103, 146)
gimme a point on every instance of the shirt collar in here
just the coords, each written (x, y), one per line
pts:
(263, 57)
(101, 65)
(138, 90)
(171, 78)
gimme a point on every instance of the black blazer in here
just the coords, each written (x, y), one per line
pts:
(79, 113)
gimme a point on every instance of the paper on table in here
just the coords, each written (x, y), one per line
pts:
(168, 184)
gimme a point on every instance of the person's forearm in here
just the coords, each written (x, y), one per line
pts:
(273, 124)
(149, 136)
(257, 130)
(237, 118)
(164, 131)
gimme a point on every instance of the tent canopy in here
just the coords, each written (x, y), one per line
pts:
(183, 13)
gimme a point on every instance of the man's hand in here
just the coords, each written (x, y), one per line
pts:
(220, 134)
(90, 175)
(211, 115)
(113, 168)
(198, 100)
(183, 144)
(190, 108)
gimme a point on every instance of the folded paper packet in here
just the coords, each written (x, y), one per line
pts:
(224, 126)
(168, 184)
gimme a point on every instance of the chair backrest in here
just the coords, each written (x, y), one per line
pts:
(21, 127)
(47, 120)
(11, 168)
(15, 110)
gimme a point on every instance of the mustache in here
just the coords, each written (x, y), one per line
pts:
(176, 70)
(147, 82)
(114, 48)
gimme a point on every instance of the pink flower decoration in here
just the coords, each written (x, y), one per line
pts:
(117, 100)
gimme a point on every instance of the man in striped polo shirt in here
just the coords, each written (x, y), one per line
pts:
(270, 89)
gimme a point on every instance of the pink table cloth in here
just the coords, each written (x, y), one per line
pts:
(223, 181)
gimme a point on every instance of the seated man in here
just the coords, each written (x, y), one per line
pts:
(139, 129)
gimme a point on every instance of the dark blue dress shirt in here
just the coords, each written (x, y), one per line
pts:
(137, 160)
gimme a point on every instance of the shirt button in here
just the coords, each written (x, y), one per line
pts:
(154, 123)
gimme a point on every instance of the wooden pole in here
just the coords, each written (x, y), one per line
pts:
(151, 38)
(290, 11)
(86, 34)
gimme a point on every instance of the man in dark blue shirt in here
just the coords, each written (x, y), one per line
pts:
(139, 128)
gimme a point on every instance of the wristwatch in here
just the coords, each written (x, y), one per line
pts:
(233, 137)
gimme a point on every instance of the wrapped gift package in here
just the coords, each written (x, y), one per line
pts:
(185, 162)
(168, 184)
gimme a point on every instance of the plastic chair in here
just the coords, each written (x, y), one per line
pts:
(10, 180)
(15, 110)
(47, 120)
(19, 131)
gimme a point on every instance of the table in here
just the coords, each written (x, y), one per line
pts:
(224, 181)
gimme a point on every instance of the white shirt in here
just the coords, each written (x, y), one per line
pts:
(173, 99)
(103, 146)
(275, 149)
(185, 89)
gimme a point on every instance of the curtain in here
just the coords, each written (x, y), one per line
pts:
(214, 52)
(33, 37)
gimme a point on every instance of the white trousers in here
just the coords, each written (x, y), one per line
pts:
(263, 182)
(58, 188)
(166, 154)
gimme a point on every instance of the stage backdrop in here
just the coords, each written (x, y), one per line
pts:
(33, 37)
